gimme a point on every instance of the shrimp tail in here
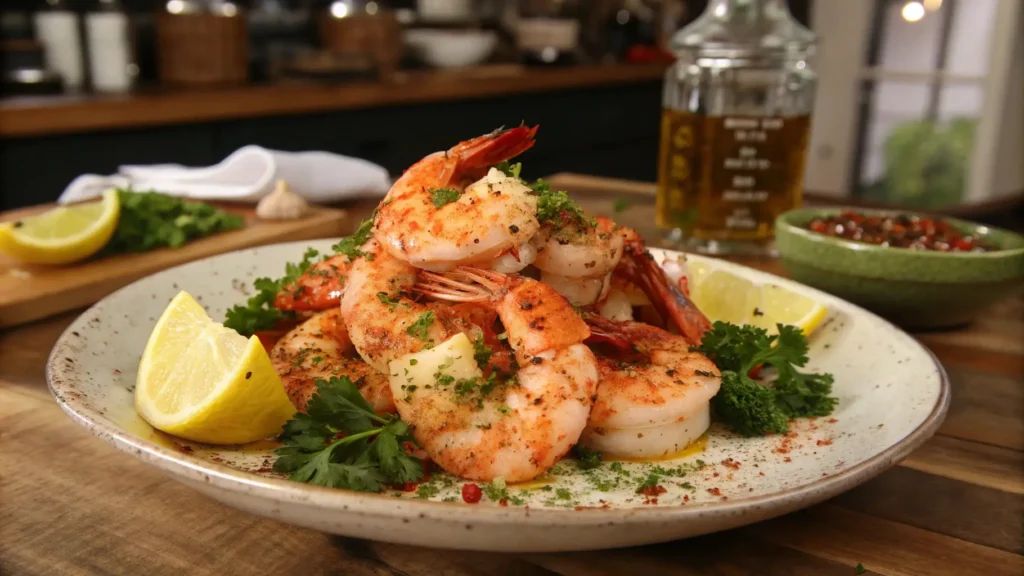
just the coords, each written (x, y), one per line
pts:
(464, 284)
(638, 266)
(485, 151)
(605, 331)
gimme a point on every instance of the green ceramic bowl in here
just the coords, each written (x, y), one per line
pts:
(912, 288)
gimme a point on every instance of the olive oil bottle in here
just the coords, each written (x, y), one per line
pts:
(735, 126)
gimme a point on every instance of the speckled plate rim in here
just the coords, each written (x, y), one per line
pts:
(282, 491)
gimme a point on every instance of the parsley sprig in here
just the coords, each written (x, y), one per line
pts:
(753, 409)
(441, 197)
(341, 443)
(258, 313)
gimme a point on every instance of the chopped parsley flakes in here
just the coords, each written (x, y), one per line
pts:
(441, 197)
(419, 328)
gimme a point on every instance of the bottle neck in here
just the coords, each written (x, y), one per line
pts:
(748, 10)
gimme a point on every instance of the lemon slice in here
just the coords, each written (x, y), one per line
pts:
(204, 382)
(64, 234)
(724, 296)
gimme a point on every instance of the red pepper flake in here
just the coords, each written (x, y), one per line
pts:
(788, 459)
(264, 470)
(761, 473)
(339, 435)
(730, 463)
(725, 497)
(824, 442)
(503, 502)
(471, 493)
(406, 487)
(185, 449)
(715, 474)
(831, 420)
(217, 459)
(686, 497)
(653, 490)
(714, 491)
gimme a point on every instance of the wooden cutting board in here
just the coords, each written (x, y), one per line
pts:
(30, 292)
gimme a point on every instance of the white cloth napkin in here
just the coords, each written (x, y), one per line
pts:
(247, 175)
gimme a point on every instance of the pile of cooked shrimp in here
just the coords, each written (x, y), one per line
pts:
(461, 246)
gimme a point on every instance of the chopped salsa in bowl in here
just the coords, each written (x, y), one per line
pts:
(899, 231)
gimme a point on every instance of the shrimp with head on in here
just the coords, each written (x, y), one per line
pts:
(515, 425)
(454, 207)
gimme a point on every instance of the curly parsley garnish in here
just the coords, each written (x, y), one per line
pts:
(341, 443)
(753, 409)
(441, 197)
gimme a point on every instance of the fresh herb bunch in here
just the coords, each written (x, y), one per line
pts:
(753, 409)
(552, 206)
(151, 220)
(258, 313)
(341, 443)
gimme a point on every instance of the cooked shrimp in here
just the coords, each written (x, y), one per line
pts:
(452, 208)
(320, 348)
(577, 259)
(319, 288)
(383, 320)
(675, 307)
(622, 298)
(653, 395)
(519, 428)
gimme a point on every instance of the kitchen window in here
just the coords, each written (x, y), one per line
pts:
(920, 103)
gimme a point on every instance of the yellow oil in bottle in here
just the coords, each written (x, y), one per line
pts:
(724, 179)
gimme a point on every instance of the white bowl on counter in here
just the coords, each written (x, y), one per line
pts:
(451, 48)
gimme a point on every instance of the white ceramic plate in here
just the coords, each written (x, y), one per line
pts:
(893, 396)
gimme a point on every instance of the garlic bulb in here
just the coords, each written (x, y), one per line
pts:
(282, 204)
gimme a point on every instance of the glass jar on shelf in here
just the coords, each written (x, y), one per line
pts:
(735, 127)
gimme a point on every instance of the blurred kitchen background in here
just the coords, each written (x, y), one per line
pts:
(919, 103)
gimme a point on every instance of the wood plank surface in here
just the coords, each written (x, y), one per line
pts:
(71, 504)
(38, 116)
(30, 292)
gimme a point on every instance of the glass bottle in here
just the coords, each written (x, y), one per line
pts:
(548, 32)
(108, 38)
(735, 127)
(57, 29)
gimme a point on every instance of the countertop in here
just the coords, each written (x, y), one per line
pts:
(49, 115)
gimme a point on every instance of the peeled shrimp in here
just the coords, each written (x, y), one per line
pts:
(577, 259)
(320, 348)
(522, 427)
(383, 320)
(488, 215)
(654, 394)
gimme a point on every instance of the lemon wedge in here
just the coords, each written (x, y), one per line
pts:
(64, 234)
(724, 296)
(202, 381)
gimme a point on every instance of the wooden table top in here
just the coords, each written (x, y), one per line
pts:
(71, 504)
